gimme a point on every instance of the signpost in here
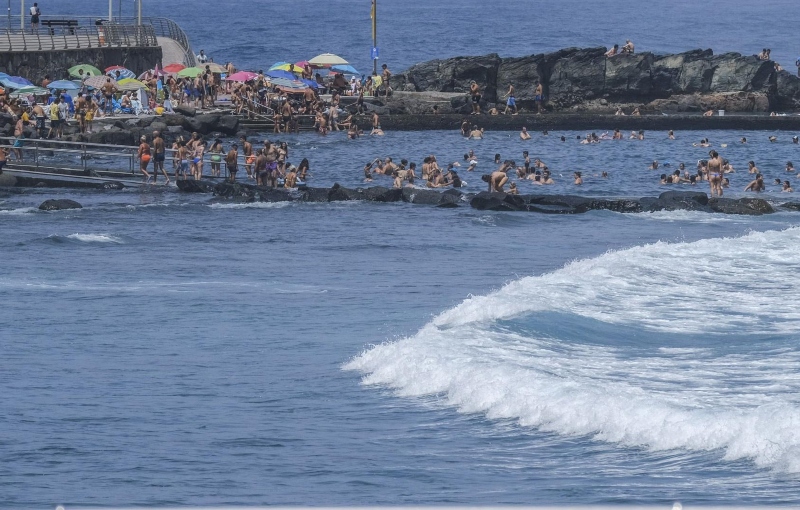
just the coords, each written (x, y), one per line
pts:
(374, 37)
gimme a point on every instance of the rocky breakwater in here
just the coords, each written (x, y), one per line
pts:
(585, 80)
(127, 130)
(226, 192)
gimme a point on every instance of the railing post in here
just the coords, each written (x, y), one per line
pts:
(36, 154)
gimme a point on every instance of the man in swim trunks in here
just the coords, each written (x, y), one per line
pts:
(232, 162)
(249, 157)
(475, 91)
(538, 97)
(109, 89)
(159, 150)
(511, 102)
(41, 117)
(386, 75)
(715, 173)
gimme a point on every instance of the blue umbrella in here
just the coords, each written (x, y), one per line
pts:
(288, 84)
(345, 69)
(280, 74)
(15, 82)
(310, 83)
(63, 85)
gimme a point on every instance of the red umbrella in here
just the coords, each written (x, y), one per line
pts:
(174, 68)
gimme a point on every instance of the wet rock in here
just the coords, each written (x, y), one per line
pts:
(236, 191)
(381, 194)
(743, 206)
(339, 193)
(315, 195)
(676, 201)
(59, 205)
(274, 195)
(186, 111)
(192, 186)
(792, 206)
(493, 201)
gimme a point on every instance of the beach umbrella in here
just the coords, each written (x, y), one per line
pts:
(123, 72)
(328, 60)
(30, 91)
(346, 69)
(63, 85)
(279, 66)
(310, 83)
(130, 84)
(190, 72)
(4, 75)
(280, 74)
(301, 64)
(242, 76)
(174, 68)
(87, 68)
(98, 81)
(15, 82)
(291, 85)
(214, 67)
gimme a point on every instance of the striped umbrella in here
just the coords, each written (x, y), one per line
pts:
(124, 72)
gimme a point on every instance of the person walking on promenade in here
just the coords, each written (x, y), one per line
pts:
(35, 14)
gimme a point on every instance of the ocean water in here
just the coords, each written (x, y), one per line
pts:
(158, 348)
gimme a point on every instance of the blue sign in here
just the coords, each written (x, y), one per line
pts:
(374, 53)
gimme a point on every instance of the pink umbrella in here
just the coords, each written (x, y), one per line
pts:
(242, 76)
(301, 64)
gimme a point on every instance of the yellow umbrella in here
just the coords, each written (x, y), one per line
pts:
(130, 84)
(286, 66)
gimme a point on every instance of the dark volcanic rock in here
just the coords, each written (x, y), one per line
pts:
(493, 201)
(676, 201)
(186, 111)
(192, 186)
(59, 205)
(792, 206)
(746, 206)
(574, 76)
(275, 195)
(339, 193)
(236, 191)
(381, 194)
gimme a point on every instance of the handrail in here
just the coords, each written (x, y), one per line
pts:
(69, 38)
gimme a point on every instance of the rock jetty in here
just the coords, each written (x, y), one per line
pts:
(583, 80)
(227, 192)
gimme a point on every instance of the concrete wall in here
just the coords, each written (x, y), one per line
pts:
(33, 65)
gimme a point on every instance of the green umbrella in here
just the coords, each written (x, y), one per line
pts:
(87, 68)
(30, 91)
(191, 72)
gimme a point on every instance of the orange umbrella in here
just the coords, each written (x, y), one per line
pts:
(174, 68)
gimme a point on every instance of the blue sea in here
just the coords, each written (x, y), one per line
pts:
(159, 348)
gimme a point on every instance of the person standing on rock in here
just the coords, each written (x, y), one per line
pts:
(475, 91)
(232, 162)
(538, 97)
(715, 173)
(108, 89)
(511, 102)
(159, 151)
(41, 117)
(386, 74)
(249, 158)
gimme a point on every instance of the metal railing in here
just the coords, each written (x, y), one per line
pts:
(162, 27)
(80, 37)
(83, 159)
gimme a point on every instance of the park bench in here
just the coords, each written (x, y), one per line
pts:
(69, 24)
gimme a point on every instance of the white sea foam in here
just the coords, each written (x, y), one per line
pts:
(252, 205)
(95, 238)
(744, 405)
(18, 212)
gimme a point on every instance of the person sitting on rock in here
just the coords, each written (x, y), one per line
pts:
(629, 48)
(619, 112)
(494, 111)
(757, 185)
(636, 112)
(512, 189)
(524, 135)
(708, 113)
(613, 51)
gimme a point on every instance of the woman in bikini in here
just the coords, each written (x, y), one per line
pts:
(144, 157)
(715, 173)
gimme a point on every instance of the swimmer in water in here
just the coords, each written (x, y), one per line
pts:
(787, 187)
(524, 135)
(752, 169)
(671, 135)
(789, 166)
(757, 185)
(578, 179)
(653, 165)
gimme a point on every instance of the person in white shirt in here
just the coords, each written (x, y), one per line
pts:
(202, 57)
(35, 13)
